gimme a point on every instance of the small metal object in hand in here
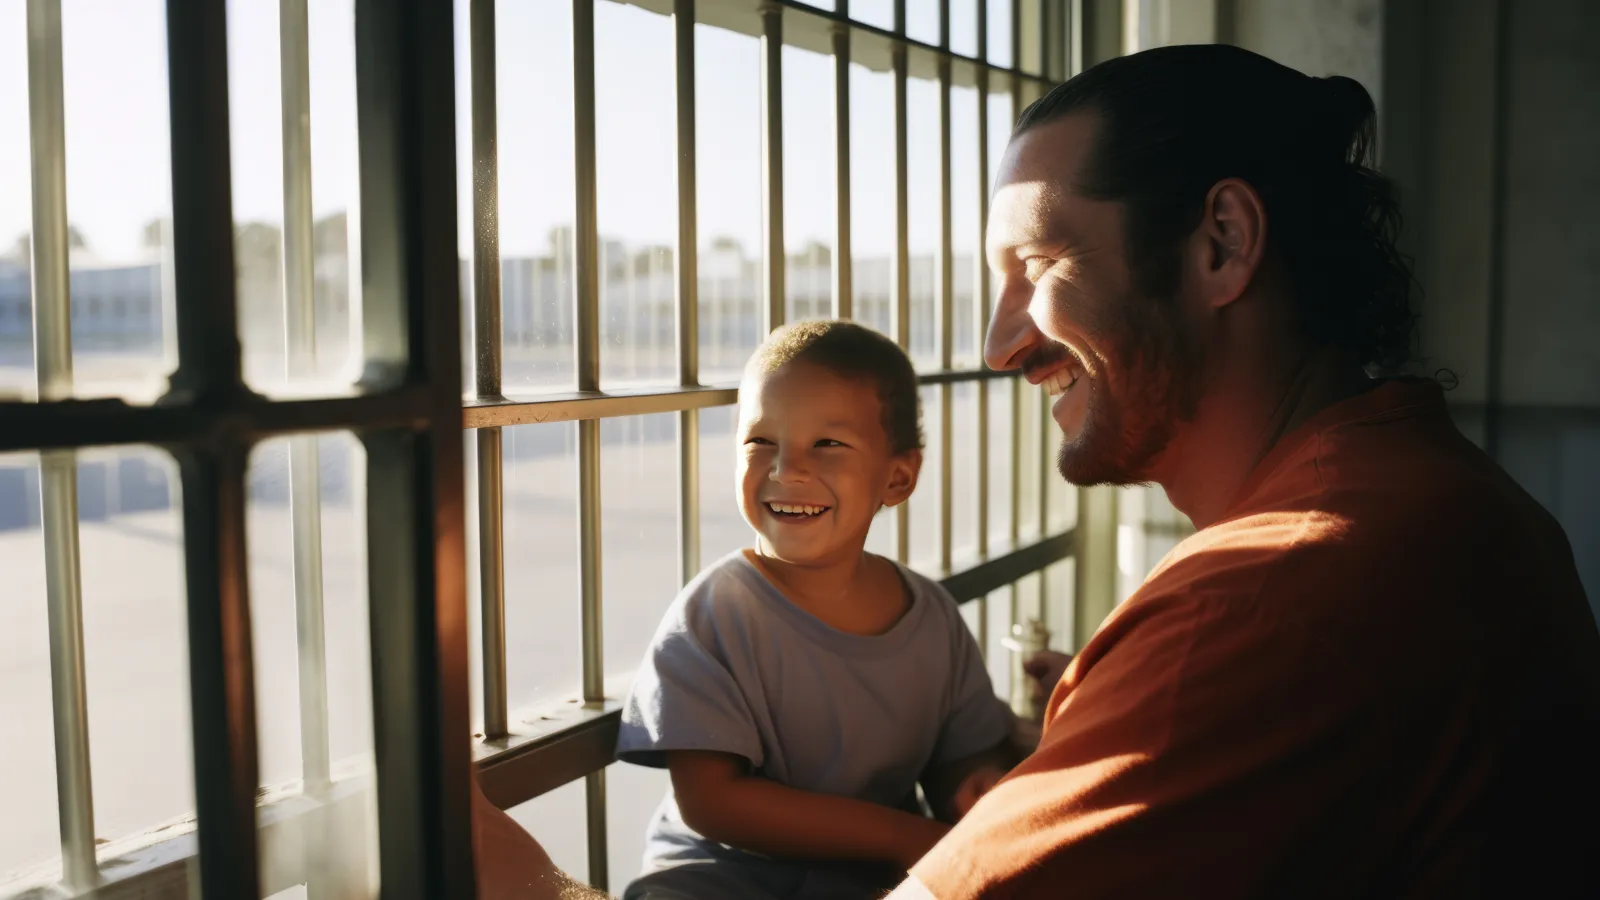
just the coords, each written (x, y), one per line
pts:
(1027, 638)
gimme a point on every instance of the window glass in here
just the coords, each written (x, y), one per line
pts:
(534, 116)
(136, 650)
(808, 183)
(544, 658)
(637, 194)
(728, 188)
(295, 677)
(872, 213)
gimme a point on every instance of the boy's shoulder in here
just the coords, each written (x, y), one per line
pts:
(731, 585)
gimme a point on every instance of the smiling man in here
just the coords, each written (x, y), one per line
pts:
(1373, 671)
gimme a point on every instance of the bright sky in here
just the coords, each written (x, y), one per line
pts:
(117, 128)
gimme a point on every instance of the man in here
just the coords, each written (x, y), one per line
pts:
(1373, 671)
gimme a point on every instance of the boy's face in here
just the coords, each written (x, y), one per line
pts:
(816, 463)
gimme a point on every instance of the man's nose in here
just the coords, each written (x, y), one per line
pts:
(1012, 332)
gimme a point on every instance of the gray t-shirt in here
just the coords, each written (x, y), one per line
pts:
(737, 668)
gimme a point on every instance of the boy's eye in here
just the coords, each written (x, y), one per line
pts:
(829, 442)
(757, 440)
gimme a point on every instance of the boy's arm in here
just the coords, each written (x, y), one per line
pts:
(722, 801)
(943, 785)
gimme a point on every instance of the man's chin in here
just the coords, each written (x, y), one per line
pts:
(1085, 464)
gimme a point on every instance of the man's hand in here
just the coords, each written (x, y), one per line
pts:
(1044, 670)
(974, 786)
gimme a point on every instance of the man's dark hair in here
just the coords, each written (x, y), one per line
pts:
(858, 353)
(1174, 121)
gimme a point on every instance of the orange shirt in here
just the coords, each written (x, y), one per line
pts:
(1377, 675)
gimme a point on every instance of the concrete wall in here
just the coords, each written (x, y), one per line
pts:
(1492, 130)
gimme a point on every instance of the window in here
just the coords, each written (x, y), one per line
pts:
(639, 198)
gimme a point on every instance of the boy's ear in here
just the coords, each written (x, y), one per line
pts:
(903, 472)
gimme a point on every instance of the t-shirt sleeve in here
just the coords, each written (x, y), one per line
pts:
(685, 696)
(978, 719)
(1194, 741)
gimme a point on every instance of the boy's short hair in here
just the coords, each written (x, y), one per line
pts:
(852, 351)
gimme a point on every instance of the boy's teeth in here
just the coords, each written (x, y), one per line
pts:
(796, 510)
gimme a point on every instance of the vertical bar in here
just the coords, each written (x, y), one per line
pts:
(901, 286)
(772, 164)
(1016, 52)
(688, 295)
(487, 331)
(202, 203)
(221, 677)
(411, 319)
(300, 339)
(488, 340)
(58, 495)
(58, 485)
(980, 293)
(946, 294)
(843, 285)
(587, 310)
(491, 573)
(52, 311)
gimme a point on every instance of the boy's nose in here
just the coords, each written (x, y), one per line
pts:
(791, 466)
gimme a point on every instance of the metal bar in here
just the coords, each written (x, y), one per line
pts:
(980, 294)
(1016, 55)
(221, 671)
(587, 303)
(58, 496)
(492, 588)
(772, 166)
(221, 678)
(104, 422)
(488, 340)
(843, 284)
(564, 743)
(901, 286)
(586, 216)
(1500, 176)
(486, 331)
(52, 291)
(945, 288)
(300, 340)
(405, 103)
(58, 470)
(310, 623)
(688, 292)
(202, 206)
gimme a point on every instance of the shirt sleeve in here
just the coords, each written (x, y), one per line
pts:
(1196, 739)
(978, 719)
(685, 696)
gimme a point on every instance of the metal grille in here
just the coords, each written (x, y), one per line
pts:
(408, 408)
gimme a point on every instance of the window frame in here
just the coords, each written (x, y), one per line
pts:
(409, 410)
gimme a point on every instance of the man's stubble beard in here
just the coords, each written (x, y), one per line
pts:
(1129, 423)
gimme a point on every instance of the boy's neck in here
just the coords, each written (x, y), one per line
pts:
(843, 594)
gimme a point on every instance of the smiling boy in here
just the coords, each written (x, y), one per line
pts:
(801, 690)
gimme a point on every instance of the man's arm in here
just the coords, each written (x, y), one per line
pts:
(511, 864)
(721, 800)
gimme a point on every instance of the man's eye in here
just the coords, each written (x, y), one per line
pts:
(1034, 267)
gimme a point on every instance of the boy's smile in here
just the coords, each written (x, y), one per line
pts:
(816, 463)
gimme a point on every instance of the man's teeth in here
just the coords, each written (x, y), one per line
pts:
(1060, 382)
(797, 510)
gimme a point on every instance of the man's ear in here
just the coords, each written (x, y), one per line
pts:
(1230, 242)
(903, 472)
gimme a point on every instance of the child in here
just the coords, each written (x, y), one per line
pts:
(800, 691)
